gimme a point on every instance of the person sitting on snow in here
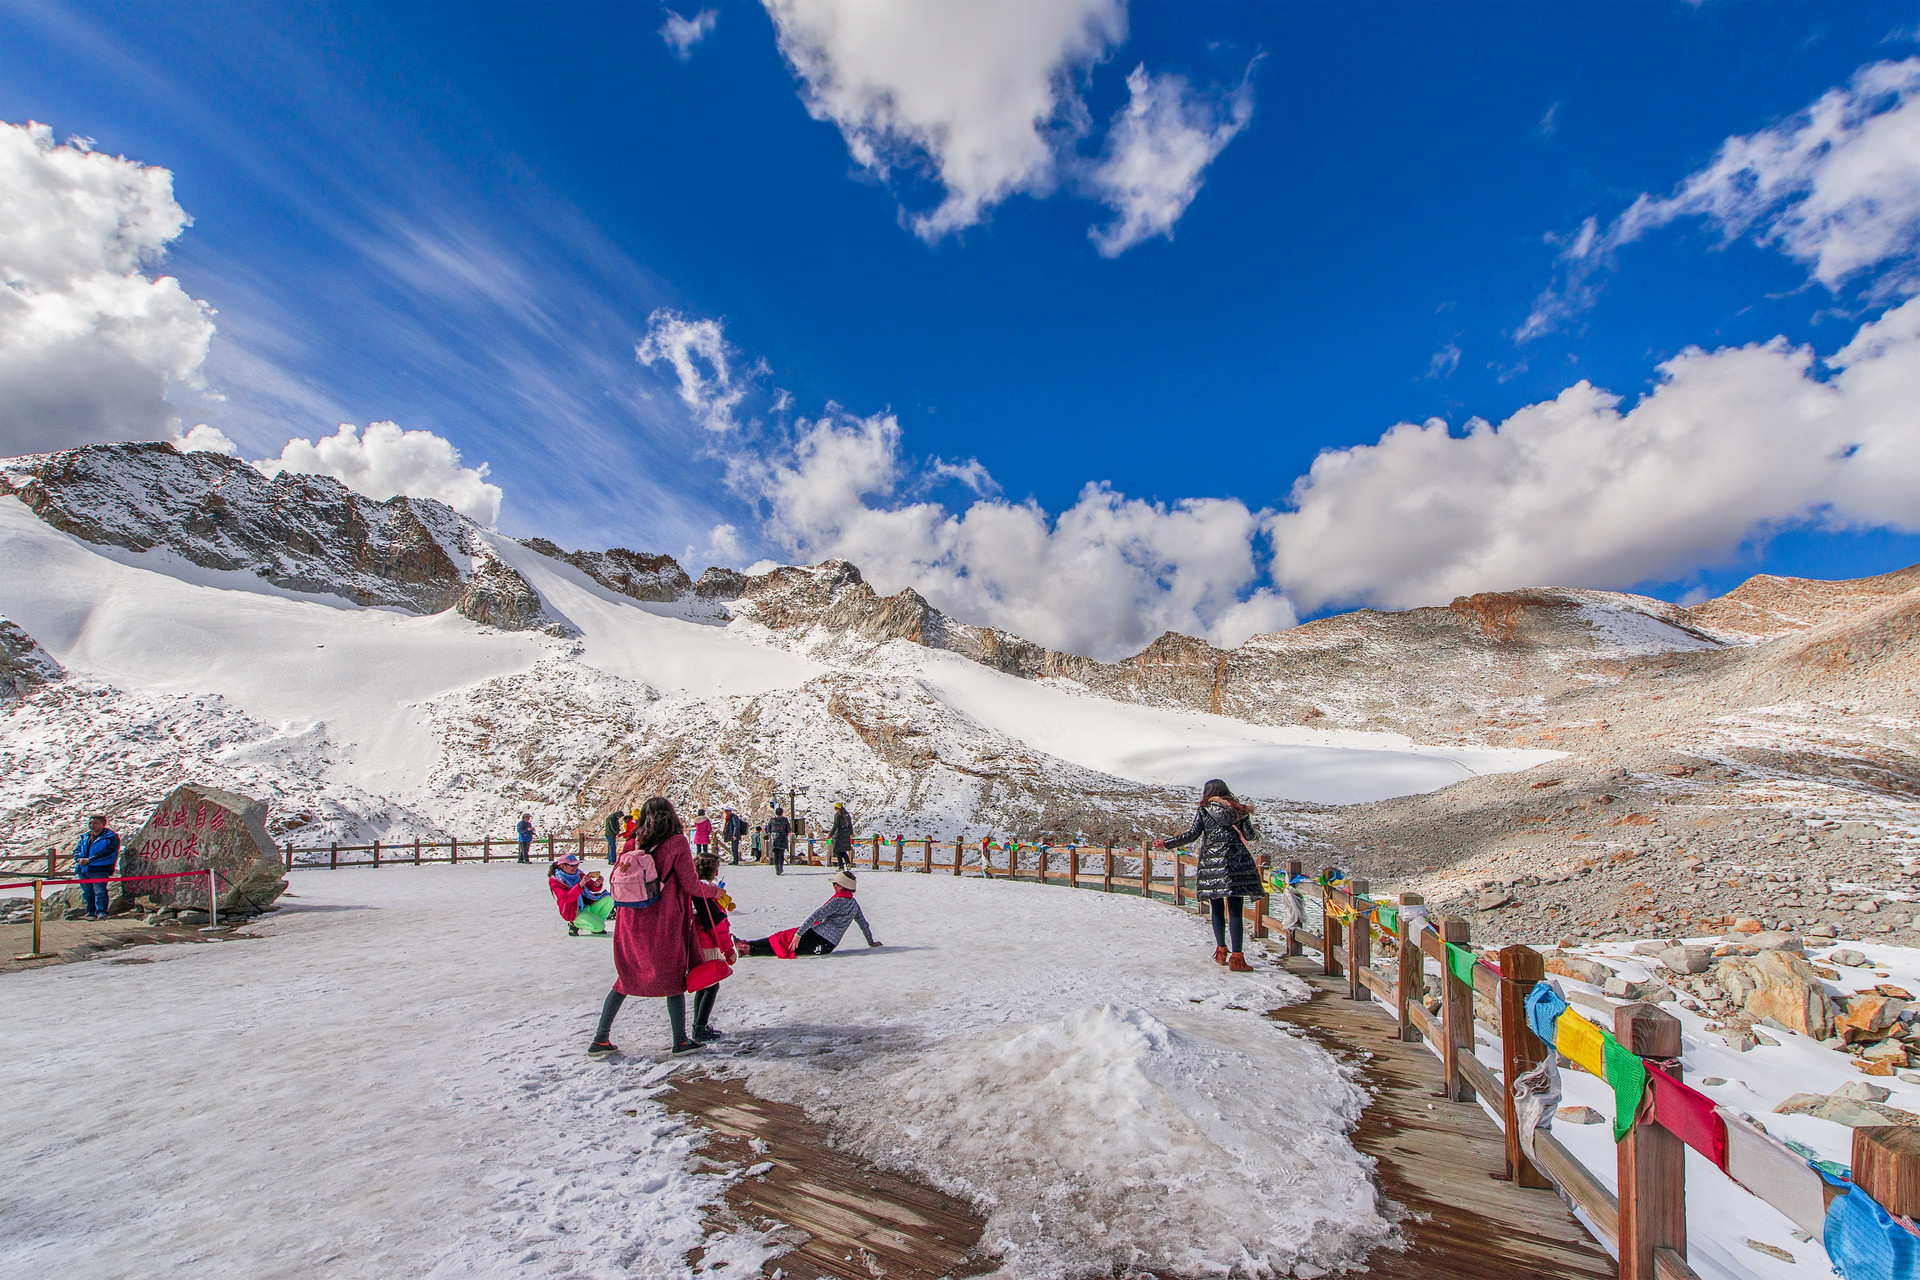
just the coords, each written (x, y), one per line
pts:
(596, 904)
(821, 932)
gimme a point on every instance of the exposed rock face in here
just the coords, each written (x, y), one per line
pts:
(299, 532)
(720, 584)
(1779, 985)
(631, 573)
(1765, 606)
(23, 663)
(199, 827)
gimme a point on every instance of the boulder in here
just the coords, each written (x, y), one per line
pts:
(1578, 968)
(1778, 985)
(1868, 1017)
(1823, 931)
(1861, 1091)
(199, 827)
(1746, 925)
(1773, 940)
(1493, 900)
(1889, 1051)
(1853, 1112)
(1579, 1115)
(1687, 959)
(1846, 957)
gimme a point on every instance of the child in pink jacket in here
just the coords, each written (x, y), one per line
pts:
(702, 833)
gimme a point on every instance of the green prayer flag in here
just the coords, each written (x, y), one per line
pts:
(1389, 918)
(1627, 1077)
(1460, 962)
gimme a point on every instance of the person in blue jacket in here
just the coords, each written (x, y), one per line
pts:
(97, 854)
(525, 833)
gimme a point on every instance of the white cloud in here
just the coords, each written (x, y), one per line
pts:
(1729, 445)
(1836, 188)
(981, 90)
(205, 439)
(1158, 147)
(681, 34)
(385, 461)
(1444, 361)
(1102, 578)
(698, 354)
(89, 342)
(723, 545)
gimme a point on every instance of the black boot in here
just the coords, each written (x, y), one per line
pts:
(677, 1015)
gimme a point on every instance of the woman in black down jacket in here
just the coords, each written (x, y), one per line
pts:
(1228, 875)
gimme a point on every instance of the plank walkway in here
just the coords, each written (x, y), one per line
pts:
(843, 1218)
(1434, 1157)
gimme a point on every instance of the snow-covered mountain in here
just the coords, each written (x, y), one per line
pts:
(391, 669)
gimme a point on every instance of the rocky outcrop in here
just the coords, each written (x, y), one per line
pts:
(636, 574)
(298, 532)
(196, 828)
(720, 584)
(24, 664)
(1765, 606)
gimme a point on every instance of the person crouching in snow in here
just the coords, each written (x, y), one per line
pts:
(654, 950)
(713, 935)
(567, 884)
(821, 932)
(1228, 875)
(596, 905)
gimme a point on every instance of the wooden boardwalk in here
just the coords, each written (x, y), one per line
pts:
(843, 1218)
(1435, 1157)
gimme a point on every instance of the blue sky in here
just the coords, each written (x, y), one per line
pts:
(464, 219)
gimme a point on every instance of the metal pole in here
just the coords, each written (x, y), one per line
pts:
(213, 901)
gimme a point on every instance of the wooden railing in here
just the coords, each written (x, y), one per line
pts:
(1645, 1221)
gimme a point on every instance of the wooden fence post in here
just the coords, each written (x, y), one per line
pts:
(1106, 874)
(1359, 942)
(376, 853)
(1041, 853)
(453, 848)
(1411, 985)
(1146, 868)
(1329, 927)
(1260, 901)
(1521, 1051)
(1073, 866)
(1456, 1015)
(1293, 943)
(899, 851)
(926, 855)
(53, 867)
(1886, 1165)
(549, 846)
(1652, 1161)
(1179, 880)
(957, 857)
(333, 856)
(580, 851)
(416, 851)
(486, 848)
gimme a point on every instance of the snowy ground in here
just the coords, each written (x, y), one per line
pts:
(390, 1081)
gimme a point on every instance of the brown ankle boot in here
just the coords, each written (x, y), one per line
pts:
(1238, 963)
(1219, 955)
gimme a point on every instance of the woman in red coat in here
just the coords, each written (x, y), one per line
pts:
(653, 943)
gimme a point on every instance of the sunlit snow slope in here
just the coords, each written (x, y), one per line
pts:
(374, 721)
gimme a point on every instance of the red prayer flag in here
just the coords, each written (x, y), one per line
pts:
(1688, 1114)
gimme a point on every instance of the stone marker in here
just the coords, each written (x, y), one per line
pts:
(199, 827)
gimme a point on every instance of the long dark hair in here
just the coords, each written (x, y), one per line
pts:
(1218, 790)
(658, 822)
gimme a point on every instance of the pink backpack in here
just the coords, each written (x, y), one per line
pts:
(635, 881)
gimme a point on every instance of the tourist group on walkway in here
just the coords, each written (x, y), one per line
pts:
(668, 911)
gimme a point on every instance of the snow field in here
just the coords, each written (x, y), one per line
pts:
(1074, 1063)
(390, 1080)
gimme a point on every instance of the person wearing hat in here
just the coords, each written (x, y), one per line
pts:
(842, 836)
(821, 932)
(596, 905)
(524, 833)
(567, 884)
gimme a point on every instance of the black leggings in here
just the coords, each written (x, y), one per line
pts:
(676, 1014)
(807, 944)
(1227, 921)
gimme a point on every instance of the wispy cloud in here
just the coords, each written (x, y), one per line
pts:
(681, 34)
(1836, 188)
